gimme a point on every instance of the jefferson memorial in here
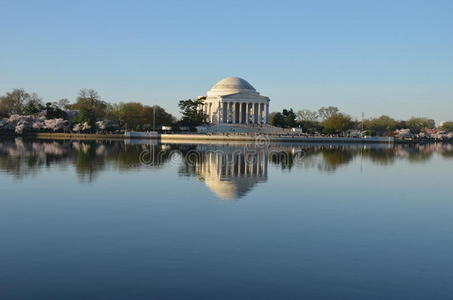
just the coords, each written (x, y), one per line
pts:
(235, 101)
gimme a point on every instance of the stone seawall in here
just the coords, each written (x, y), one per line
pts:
(213, 137)
(264, 138)
(75, 136)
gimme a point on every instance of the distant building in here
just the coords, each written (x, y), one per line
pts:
(354, 133)
(235, 101)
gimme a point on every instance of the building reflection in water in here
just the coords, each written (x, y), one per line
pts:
(229, 170)
(231, 173)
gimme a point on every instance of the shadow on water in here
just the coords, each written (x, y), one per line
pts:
(229, 170)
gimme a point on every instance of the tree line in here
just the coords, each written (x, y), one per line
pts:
(88, 108)
(330, 120)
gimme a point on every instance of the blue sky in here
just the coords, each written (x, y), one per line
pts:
(379, 57)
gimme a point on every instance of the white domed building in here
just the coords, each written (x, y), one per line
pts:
(235, 101)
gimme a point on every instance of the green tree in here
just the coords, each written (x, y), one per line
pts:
(192, 114)
(447, 126)
(289, 118)
(337, 123)
(284, 119)
(311, 126)
(416, 125)
(33, 106)
(276, 119)
(381, 124)
(112, 112)
(401, 124)
(14, 102)
(90, 107)
(162, 118)
(54, 112)
(130, 115)
(137, 116)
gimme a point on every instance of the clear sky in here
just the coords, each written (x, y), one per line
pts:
(379, 57)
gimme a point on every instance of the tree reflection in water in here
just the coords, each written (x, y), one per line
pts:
(229, 170)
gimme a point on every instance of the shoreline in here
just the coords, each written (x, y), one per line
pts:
(224, 138)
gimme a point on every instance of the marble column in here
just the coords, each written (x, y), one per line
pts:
(211, 112)
(234, 112)
(225, 106)
(247, 113)
(219, 113)
(254, 114)
(257, 110)
(240, 112)
(260, 113)
(227, 120)
(267, 113)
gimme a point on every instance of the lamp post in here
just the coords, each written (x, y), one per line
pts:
(154, 118)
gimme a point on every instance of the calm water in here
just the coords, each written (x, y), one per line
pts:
(114, 220)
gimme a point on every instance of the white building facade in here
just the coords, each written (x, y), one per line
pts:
(235, 101)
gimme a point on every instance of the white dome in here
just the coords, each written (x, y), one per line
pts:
(232, 188)
(231, 85)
